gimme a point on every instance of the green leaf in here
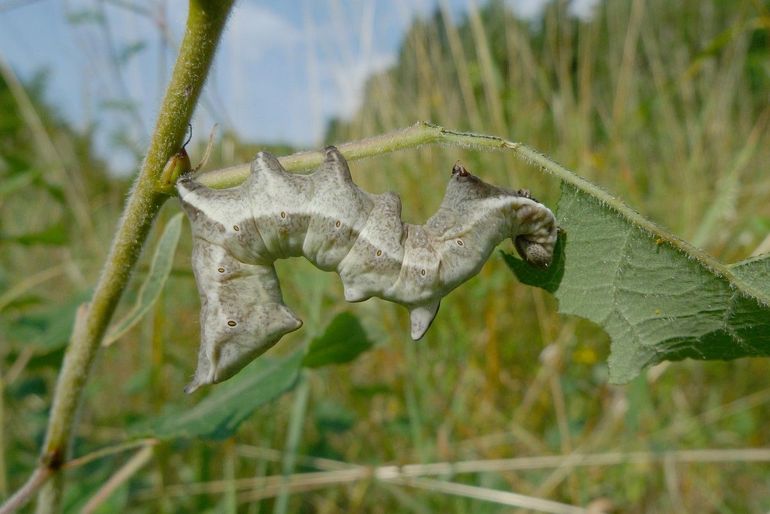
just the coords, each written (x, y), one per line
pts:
(657, 297)
(55, 235)
(18, 181)
(755, 271)
(46, 329)
(334, 418)
(342, 341)
(154, 282)
(220, 414)
(56, 192)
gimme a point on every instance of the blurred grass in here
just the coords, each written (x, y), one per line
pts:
(664, 103)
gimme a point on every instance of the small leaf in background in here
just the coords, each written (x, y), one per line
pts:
(56, 192)
(18, 181)
(118, 104)
(84, 16)
(55, 234)
(368, 391)
(129, 51)
(333, 417)
(46, 329)
(230, 403)
(342, 341)
(657, 297)
(154, 282)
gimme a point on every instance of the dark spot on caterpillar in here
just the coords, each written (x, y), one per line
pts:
(232, 323)
(338, 224)
(379, 252)
(221, 270)
(236, 228)
(460, 242)
(283, 214)
(422, 272)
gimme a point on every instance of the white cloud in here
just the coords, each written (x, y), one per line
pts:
(349, 80)
(283, 68)
(583, 9)
(253, 30)
(527, 9)
(533, 9)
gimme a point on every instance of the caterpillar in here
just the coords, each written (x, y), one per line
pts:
(239, 232)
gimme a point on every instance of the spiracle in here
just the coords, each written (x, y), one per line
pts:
(238, 233)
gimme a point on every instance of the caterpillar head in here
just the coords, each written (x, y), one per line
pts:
(531, 225)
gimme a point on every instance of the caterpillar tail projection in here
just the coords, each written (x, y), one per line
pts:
(238, 233)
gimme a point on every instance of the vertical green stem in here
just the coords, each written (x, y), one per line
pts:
(296, 422)
(3, 479)
(412, 402)
(50, 497)
(205, 22)
(230, 501)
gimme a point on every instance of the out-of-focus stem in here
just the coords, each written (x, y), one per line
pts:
(205, 22)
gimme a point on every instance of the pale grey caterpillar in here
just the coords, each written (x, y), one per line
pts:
(239, 232)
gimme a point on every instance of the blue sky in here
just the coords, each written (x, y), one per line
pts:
(283, 68)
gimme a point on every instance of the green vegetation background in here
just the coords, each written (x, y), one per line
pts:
(664, 103)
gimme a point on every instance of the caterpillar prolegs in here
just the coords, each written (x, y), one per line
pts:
(239, 232)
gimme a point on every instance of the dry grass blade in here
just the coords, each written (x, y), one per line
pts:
(412, 474)
(28, 283)
(573, 461)
(711, 416)
(70, 181)
(273, 455)
(265, 487)
(492, 495)
(112, 450)
(128, 470)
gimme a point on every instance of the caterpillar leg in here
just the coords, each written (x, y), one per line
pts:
(421, 317)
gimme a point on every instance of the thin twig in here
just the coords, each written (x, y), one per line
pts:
(27, 491)
(133, 465)
(112, 450)
(491, 495)
(271, 454)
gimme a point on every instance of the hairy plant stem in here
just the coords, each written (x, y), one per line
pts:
(205, 22)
